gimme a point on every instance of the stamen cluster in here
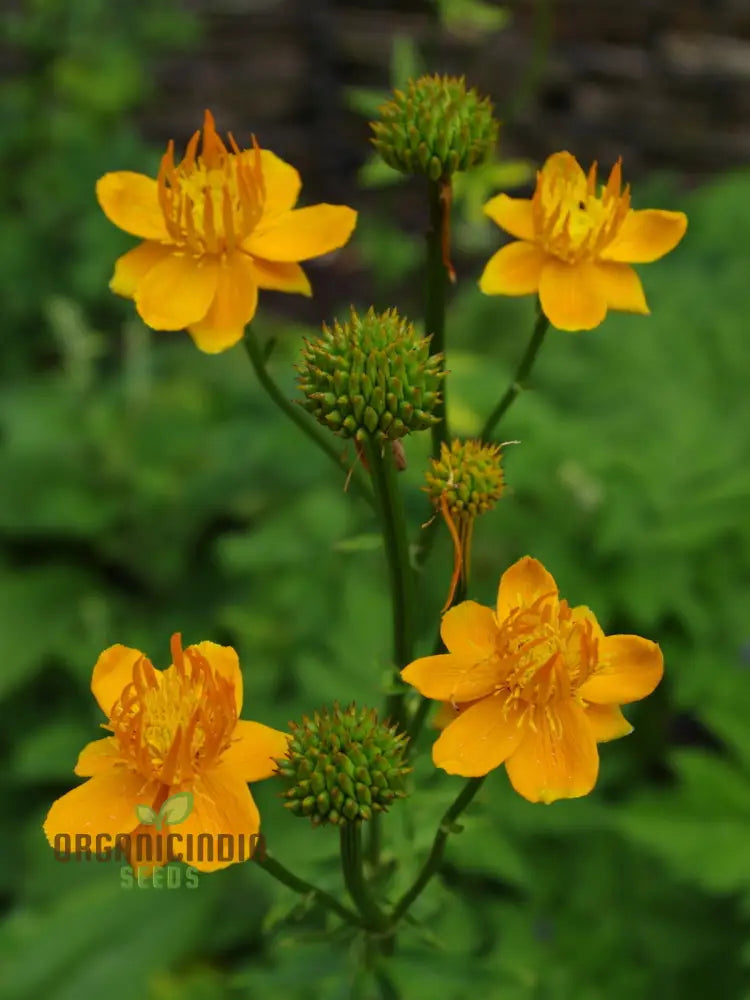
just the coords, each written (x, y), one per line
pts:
(168, 724)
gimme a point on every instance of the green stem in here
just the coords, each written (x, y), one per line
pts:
(401, 583)
(432, 863)
(354, 879)
(296, 415)
(292, 881)
(373, 841)
(522, 373)
(435, 293)
(393, 525)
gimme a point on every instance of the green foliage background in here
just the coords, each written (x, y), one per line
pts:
(147, 488)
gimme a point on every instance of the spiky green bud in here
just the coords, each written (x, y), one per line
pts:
(469, 475)
(436, 128)
(371, 378)
(343, 765)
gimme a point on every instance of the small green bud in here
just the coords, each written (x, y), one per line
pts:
(468, 476)
(353, 764)
(436, 128)
(363, 378)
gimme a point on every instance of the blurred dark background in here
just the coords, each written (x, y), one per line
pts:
(146, 488)
(663, 84)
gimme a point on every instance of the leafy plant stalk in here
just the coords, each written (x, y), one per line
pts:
(393, 525)
(299, 885)
(401, 580)
(431, 865)
(429, 531)
(354, 879)
(258, 360)
(438, 277)
(522, 373)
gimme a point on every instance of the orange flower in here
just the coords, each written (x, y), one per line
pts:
(217, 227)
(175, 730)
(576, 245)
(537, 685)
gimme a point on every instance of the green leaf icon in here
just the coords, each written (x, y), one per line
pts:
(146, 815)
(176, 809)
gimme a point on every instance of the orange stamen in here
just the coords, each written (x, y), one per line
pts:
(446, 199)
(175, 648)
(457, 552)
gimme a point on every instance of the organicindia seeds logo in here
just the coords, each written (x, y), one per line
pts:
(148, 851)
(175, 809)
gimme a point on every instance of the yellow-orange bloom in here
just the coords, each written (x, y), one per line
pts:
(216, 227)
(176, 730)
(536, 684)
(575, 244)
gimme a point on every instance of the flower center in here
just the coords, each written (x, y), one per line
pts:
(170, 724)
(550, 652)
(211, 202)
(571, 221)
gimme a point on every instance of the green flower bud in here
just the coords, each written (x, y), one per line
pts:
(360, 762)
(436, 128)
(371, 378)
(468, 475)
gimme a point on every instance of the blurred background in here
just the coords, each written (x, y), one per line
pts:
(147, 488)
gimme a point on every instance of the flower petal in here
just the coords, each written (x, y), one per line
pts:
(280, 276)
(224, 661)
(222, 804)
(521, 584)
(254, 750)
(555, 760)
(607, 722)
(176, 292)
(514, 215)
(514, 270)
(564, 168)
(646, 235)
(629, 669)
(454, 678)
(302, 233)
(621, 287)
(97, 756)
(570, 295)
(103, 804)
(480, 739)
(445, 714)
(581, 613)
(470, 629)
(281, 180)
(131, 201)
(134, 265)
(232, 309)
(112, 672)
